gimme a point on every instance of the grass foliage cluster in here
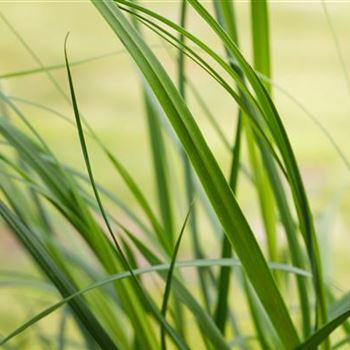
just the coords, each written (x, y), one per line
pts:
(125, 288)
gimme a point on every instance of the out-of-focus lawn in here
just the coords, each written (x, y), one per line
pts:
(305, 63)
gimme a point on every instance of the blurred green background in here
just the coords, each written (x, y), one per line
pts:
(305, 63)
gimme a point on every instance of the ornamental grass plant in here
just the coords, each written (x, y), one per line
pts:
(187, 267)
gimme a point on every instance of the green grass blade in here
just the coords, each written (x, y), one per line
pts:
(261, 37)
(47, 68)
(167, 290)
(144, 331)
(202, 263)
(244, 105)
(53, 67)
(257, 317)
(261, 55)
(221, 311)
(85, 151)
(188, 172)
(159, 159)
(46, 263)
(33, 54)
(217, 189)
(322, 334)
(262, 59)
(141, 320)
(225, 15)
(275, 124)
(160, 169)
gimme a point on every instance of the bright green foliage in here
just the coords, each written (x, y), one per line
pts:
(112, 304)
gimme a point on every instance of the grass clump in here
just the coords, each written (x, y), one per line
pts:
(281, 282)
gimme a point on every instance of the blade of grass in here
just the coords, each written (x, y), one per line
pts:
(131, 184)
(203, 64)
(46, 68)
(144, 329)
(202, 263)
(188, 172)
(46, 263)
(160, 169)
(71, 205)
(224, 203)
(167, 290)
(261, 54)
(261, 37)
(260, 322)
(274, 123)
(159, 160)
(225, 15)
(322, 334)
(142, 323)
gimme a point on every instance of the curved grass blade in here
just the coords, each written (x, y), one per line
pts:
(44, 69)
(33, 54)
(248, 108)
(188, 172)
(142, 320)
(47, 264)
(261, 54)
(224, 12)
(322, 334)
(126, 176)
(159, 160)
(63, 194)
(279, 134)
(55, 83)
(203, 263)
(48, 68)
(261, 49)
(142, 201)
(224, 203)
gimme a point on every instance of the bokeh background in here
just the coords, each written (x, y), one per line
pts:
(305, 63)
